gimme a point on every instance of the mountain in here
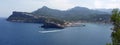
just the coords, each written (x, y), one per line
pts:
(106, 10)
(45, 11)
(73, 14)
(25, 17)
(52, 18)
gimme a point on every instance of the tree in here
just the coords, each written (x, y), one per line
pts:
(115, 18)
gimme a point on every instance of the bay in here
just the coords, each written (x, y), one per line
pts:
(12, 33)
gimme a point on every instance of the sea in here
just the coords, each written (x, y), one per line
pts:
(12, 33)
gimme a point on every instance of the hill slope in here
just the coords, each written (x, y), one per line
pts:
(74, 14)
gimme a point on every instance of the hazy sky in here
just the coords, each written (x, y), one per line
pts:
(7, 6)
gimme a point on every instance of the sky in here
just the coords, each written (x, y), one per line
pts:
(8, 6)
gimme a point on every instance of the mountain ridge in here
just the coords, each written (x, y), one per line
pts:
(59, 19)
(76, 13)
(73, 14)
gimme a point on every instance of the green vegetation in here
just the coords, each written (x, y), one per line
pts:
(56, 21)
(115, 18)
(74, 14)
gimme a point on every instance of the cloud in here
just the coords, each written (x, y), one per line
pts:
(113, 0)
(60, 4)
(107, 4)
(6, 7)
(98, 4)
(31, 5)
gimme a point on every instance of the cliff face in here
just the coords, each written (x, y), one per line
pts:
(25, 17)
(53, 18)
(52, 25)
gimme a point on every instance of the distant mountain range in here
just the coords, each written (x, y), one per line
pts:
(105, 10)
(52, 18)
(73, 14)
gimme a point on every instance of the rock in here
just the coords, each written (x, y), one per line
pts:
(52, 25)
(25, 17)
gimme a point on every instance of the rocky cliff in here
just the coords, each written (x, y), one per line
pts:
(25, 17)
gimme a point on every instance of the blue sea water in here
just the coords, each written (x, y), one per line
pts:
(12, 33)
